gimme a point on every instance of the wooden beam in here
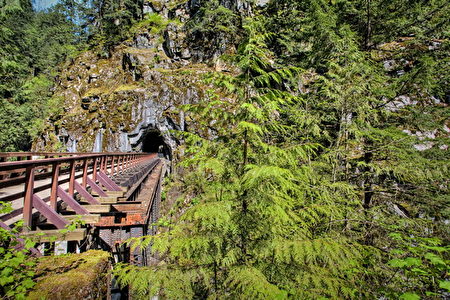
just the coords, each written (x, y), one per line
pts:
(107, 182)
(54, 188)
(71, 202)
(51, 215)
(96, 188)
(46, 236)
(95, 209)
(85, 194)
(89, 219)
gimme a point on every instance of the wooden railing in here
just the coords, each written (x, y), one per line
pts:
(94, 169)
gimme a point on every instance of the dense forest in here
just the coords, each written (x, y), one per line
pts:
(323, 170)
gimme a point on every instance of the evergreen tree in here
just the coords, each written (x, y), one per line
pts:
(257, 225)
(32, 46)
(310, 184)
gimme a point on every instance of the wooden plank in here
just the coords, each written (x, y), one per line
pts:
(127, 207)
(115, 193)
(94, 209)
(107, 199)
(89, 219)
(43, 236)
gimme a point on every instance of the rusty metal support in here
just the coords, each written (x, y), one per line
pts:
(112, 165)
(119, 166)
(105, 167)
(105, 163)
(107, 182)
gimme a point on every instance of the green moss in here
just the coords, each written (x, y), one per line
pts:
(72, 276)
(133, 50)
(95, 92)
(126, 87)
(174, 3)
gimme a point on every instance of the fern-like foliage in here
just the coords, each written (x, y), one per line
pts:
(258, 224)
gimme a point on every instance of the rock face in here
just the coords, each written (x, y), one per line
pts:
(72, 276)
(111, 104)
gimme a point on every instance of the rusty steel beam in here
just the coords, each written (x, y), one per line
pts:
(85, 173)
(72, 179)
(14, 165)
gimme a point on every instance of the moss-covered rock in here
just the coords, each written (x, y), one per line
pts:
(72, 276)
(108, 104)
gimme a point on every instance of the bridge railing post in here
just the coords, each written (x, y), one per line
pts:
(54, 188)
(100, 167)
(94, 169)
(28, 199)
(85, 173)
(112, 164)
(105, 164)
(72, 178)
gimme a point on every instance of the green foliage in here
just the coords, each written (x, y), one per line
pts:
(32, 46)
(110, 21)
(423, 263)
(309, 167)
(212, 18)
(155, 22)
(257, 222)
(16, 266)
(307, 181)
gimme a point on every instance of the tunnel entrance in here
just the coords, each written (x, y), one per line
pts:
(154, 143)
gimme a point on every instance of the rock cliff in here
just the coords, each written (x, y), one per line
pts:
(113, 103)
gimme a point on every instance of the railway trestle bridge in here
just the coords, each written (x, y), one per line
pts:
(113, 197)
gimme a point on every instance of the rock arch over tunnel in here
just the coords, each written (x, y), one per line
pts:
(154, 142)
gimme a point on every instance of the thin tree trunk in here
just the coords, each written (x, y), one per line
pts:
(368, 25)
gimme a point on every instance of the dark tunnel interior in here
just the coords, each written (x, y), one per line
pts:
(154, 143)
